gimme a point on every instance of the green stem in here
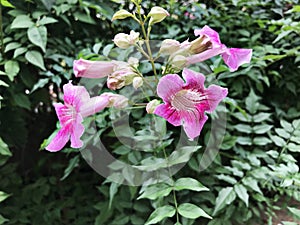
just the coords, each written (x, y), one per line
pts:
(174, 193)
(146, 36)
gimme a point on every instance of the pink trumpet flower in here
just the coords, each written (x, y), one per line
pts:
(93, 69)
(77, 105)
(233, 57)
(186, 103)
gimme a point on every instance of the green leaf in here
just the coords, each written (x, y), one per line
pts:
(19, 51)
(278, 140)
(257, 118)
(47, 20)
(261, 141)
(242, 193)
(189, 184)
(35, 58)
(243, 128)
(2, 83)
(192, 211)
(22, 100)
(4, 150)
(282, 133)
(152, 164)
(295, 212)
(252, 103)
(11, 46)
(73, 163)
(251, 183)
(156, 191)
(225, 197)
(3, 196)
(6, 3)
(261, 129)
(282, 35)
(289, 223)
(160, 213)
(296, 124)
(2, 219)
(84, 18)
(293, 147)
(38, 36)
(113, 189)
(22, 21)
(11, 68)
(287, 126)
(182, 155)
(41, 83)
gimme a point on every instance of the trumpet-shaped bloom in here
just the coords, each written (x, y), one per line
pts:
(93, 69)
(77, 105)
(233, 57)
(186, 103)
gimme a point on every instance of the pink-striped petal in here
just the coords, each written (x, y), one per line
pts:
(168, 86)
(193, 123)
(75, 95)
(169, 113)
(234, 57)
(212, 34)
(193, 79)
(59, 141)
(93, 69)
(205, 55)
(77, 131)
(214, 95)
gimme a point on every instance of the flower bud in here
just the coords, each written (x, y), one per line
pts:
(121, 14)
(179, 61)
(137, 82)
(151, 106)
(157, 14)
(116, 100)
(169, 46)
(133, 62)
(120, 78)
(124, 41)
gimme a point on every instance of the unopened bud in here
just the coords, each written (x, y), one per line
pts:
(133, 61)
(169, 46)
(116, 100)
(151, 106)
(121, 14)
(124, 41)
(179, 61)
(137, 82)
(157, 14)
(120, 78)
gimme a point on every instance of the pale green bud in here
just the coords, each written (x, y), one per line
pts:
(137, 82)
(169, 46)
(151, 106)
(157, 14)
(121, 14)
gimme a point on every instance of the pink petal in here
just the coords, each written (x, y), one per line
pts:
(193, 79)
(205, 55)
(93, 69)
(168, 86)
(212, 34)
(61, 113)
(77, 131)
(169, 113)
(94, 105)
(214, 94)
(193, 123)
(59, 141)
(234, 57)
(75, 95)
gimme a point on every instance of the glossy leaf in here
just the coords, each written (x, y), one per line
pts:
(192, 211)
(188, 183)
(35, 58)
(161, 213)
(38, 36)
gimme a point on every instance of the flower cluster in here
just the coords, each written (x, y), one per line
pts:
(185, 100)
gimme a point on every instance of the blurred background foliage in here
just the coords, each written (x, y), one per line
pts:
(256, 172)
